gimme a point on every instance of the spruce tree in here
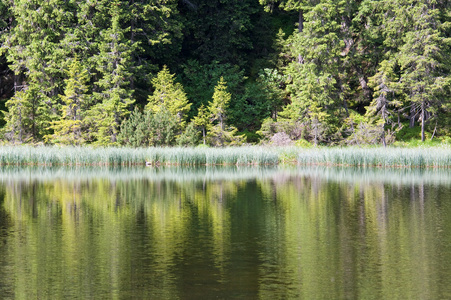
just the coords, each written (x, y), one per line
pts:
(113, 93)
(220, 134)
(202, 121)
(170, 95)
(35, 54)
(68, 129)
(317, 88)
(385, 102)
(424, 65)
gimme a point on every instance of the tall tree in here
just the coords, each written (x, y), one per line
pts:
(385, 101)
(425, 69)
(35, 54)
(170, 95)
(202, 121)
(113, 93)
(316, 89)
(68, 129)
(220, 134)
(23, 121)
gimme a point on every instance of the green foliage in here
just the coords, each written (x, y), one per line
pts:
(168, 95)
(219, 133)
(68, 129)
(202, 121)
(133, 131)
(263, 98)
(303, 144)
(250, 137)
(190, 137)
(200, 81)
(407, 133)
(218, 30)
(349, 72)
(220, 137)
(27, 117)
(114, 96)
(149, 129)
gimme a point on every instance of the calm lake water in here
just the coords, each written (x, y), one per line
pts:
(225, 233)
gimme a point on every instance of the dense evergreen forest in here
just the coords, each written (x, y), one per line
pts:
(224, 72)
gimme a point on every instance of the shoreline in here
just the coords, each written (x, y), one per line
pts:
(376, 157)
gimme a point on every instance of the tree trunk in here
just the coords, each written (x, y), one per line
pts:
(364, 83)
(412, 117)
(203, 134)
(301, 21)
(435, 130)
(423, 115)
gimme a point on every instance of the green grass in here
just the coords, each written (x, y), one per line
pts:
(86, 156)
(419, 157)
(437, 156)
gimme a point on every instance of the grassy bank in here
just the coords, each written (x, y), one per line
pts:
(86, 156)
(252, 155)
(378, 157)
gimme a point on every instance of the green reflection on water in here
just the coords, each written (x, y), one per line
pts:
(177, 233)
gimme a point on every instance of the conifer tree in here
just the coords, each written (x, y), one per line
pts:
(425, 70)
(190, 137)
(68, 129)
(33, 49)
(170, 95)
(134, 131)
(18, 117)
(220, 134)
(317, 89)
(113, 95)
(202, 121)
(385, 101)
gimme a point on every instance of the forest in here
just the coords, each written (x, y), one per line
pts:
(142, 73)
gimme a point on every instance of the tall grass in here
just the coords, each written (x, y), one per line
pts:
(84, 156)
(250, 155)
(378, 157)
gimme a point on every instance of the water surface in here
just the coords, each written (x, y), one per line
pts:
(225, 233)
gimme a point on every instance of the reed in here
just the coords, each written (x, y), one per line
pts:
(87, 156)
(420, 157)
(250, 155)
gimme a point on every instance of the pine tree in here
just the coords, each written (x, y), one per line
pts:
(202, 121)
(170, 95)
(425, 72)
(220, 134)
(113, 95)
(68, 129)
(385, 86)
(18, 117)
(317, 88)
(190, 137)
(35, 54)
(220, 103)
(134, 131)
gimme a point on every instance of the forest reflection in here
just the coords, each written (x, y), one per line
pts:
(225, 232)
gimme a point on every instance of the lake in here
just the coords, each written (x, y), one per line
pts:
(225, 233)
